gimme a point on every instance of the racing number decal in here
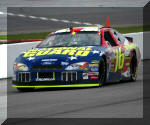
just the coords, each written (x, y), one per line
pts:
(119, 60)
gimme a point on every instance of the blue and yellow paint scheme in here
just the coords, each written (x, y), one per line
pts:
(73, 66)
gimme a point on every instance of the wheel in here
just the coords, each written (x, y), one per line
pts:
(133, 67)
(25, 89)
(102, 72)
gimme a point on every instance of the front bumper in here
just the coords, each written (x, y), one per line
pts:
(57, 79)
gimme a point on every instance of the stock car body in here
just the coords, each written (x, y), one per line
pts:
(78, 57)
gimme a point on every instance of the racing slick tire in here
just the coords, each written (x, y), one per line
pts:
(133, 67)
(25, 89)
(102, 72)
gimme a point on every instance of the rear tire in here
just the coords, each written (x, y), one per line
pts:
(102, 72)
(25, 89)
(133, 67)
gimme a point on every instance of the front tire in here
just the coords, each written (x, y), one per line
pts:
(25, 89)
(102, 72)
(133, 67)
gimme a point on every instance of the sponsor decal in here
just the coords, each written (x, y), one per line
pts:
(75, 67)
(72, 51)
(94, 75)
(112, 66)
(84, 68)
(78, 66)
(64, 63)
(85, 76)
(46, 63)
(72, 67)
(95, 61)
(94, 69)
(45, 79)
(92, 65)
(43, 60)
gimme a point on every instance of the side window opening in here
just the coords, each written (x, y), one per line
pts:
(109, 38)
(115, 33)
(118, 36)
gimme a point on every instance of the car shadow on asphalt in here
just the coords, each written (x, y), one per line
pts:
(76, 88)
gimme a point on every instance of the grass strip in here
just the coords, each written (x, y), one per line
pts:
(3, 37)
(42, 35)
(129, 29)
(27, 36)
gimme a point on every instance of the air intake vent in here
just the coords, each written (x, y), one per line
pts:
(69, 76)
(46, 74)
(24, 77)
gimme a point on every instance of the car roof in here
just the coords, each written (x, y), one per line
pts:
(88, 28)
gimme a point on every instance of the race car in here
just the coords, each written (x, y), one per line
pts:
(78, 57)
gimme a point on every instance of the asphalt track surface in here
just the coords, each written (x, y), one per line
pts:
(119, 100)
(119, 17)
(74, 3)
(123, 16)
(105, 92)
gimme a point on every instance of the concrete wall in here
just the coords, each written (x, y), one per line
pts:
(9, 52)
(146, 45)
(3, 61)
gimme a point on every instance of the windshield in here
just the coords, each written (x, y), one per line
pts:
(72, 39)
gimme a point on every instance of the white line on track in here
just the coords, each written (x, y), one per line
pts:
(75, 22)
(11, 14)
(98, 25)
(65, 21)
(53, 19)
(2, 13)
(45, 18)
(87, 24)
(21, 15)
(33, 17)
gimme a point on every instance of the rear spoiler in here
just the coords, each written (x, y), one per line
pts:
(130, 39)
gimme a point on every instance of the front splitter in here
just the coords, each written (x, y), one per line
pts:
(54, 86)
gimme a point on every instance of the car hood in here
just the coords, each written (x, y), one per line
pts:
(61, 55)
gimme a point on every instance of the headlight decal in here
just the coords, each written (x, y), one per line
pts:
(20, 67)
(78, 66)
